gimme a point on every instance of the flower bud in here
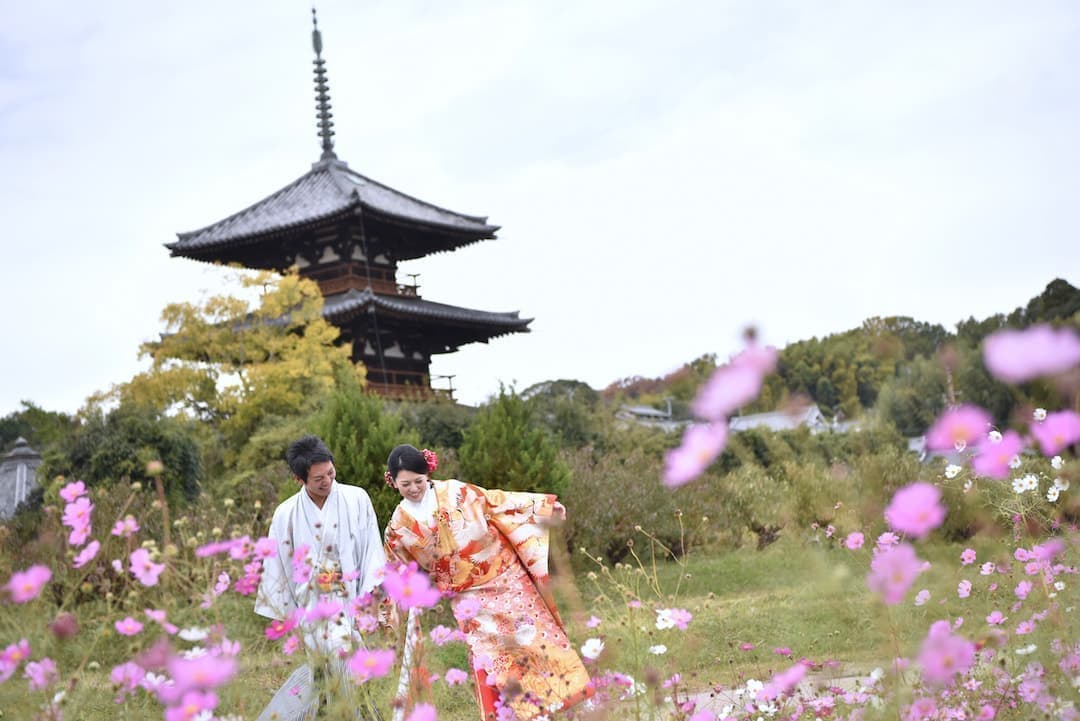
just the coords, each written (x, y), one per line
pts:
(229, 503)
(65, 625)
(136, 486)
(155, 468)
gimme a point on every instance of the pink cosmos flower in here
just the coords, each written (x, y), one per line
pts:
(703, 715)
(986, 569)
(213, 548)
(986, 713)
(466, 608)
(854, 541)
(967, 557)
(265, 548)
(992, 459)
(996, 619)
(127, 677)
(423, 711)
(241, 548)
(77, 513)
(922, 708)
(205, 672)
(366, 665)
(279, 628)
(944, 654)
(368, 623)
(1023, 589)
(1017, 356)
(409, 587)
(125, 527)
(145, 570)
(72, 491)
(963, 590)
(892, 572)
(78, 535)
(922, 597)
(323, 610)
(290, 646)
(887, 540)
(782, 651)
(830, 530)
(87, 554)
(128, 627)
(701, 444)
(1059, 431)
(593, 622)
(191, 705)
(26, 585)
(957, 428)
(782, 683)
(1021, 554)
(40, 673)
(747, 647)
(916, 510)
(1048, 551)
(455, 676)
(672, 617)
(1024, 628)
(734, 385)
(440, 635)
(12, 656)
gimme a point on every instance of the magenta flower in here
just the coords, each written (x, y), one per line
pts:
(72, 491)
(241, 548)
(854, 541)
(455, 676)
(409, 587)
(782, 683)
(1059, 431)
(265, 548)
(963, 590)
(887, 540)
(1024, 628)
(701, 444)
(1047, 551)
(213, 548)
(279, 628)
(191, 705)
(128, 627)
(957, 428)
(916, 510)
(993, 458)
(12, 656)
(366, 665)
(996, 618)
(747, 647)
(423, 711)
(26, 585)
(922, 597)
(893, 571)
(729, 388)
(78, 535)
(944, 654)
(125, 527)
(87, 554)
(1017, 356)
(782, 651)
(205, 672)
(144, 569)
(466, 609)
(968, 556)
(40, 673)
(77, 513)
(127, 677)
(323, 610)
(1023, 589)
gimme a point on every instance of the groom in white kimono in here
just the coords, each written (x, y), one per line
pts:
(329, 548)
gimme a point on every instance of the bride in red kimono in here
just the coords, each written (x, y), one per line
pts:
(489, 549)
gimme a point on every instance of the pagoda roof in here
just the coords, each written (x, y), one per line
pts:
(341, 307)
(328, 191)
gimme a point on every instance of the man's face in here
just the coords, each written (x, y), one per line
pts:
(319, 479)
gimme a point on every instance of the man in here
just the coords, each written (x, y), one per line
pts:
(329, 551)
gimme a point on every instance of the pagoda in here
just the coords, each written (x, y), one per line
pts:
(348, 233)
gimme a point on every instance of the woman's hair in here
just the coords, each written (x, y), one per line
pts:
(406, 458)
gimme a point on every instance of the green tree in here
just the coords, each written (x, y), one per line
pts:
(361, 432)
(506, 448)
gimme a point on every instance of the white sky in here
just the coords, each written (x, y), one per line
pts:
(664, 173)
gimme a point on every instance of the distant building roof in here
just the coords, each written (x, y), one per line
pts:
(340, 307)
(328, 190)
(17, 477)
(781, 420)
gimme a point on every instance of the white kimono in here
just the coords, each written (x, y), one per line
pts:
(343, 535)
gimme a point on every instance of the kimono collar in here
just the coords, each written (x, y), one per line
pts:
(424, 509)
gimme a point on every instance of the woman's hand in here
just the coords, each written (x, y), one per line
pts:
(558, 512)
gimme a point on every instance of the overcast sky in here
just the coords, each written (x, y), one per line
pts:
(664, 172)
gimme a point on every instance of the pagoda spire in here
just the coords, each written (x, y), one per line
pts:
(322, 94)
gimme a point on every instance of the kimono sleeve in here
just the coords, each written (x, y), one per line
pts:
(523, 518)
(275, 595)
(371, 558)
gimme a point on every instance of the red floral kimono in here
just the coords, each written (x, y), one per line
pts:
(490, 548)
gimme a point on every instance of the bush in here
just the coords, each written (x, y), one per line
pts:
(504, 448)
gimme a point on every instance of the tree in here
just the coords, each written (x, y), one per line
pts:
(505, 448)
(232, 362)
(361, 433)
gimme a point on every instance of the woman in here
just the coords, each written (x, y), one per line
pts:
(489, 550)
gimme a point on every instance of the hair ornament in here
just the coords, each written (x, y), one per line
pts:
(432, 460)
(388, 478)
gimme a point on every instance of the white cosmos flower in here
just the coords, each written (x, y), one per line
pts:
(1060, 585)
(591, 648)
(967, 485)
(1014, 462)
(1061, 484)
(994, 436)
(1029, 649)
(658, 650)
(952, 470)
(1052, 494)
(1039, 414)
(193, 634)
(1056, 463)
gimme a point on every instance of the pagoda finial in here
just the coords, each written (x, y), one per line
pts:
(322, 94)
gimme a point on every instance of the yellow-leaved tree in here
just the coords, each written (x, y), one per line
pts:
(241, 361)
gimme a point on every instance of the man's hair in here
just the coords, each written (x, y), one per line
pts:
(305, 452)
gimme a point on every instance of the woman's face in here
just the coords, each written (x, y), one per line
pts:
(411, 485)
